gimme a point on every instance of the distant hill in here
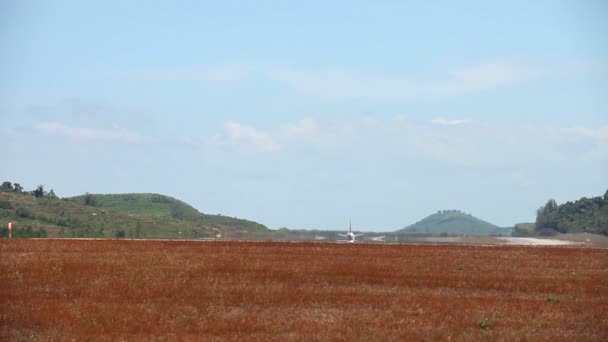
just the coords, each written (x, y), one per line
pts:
(585, 215)
(453, 222)
(115, 215)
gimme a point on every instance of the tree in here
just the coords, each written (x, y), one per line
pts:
(17, 188)
(52, 194)
(6, 186)
(547, 216)
(39, 192)
(89, 199)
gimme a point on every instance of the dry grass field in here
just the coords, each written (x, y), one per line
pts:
(187, 290)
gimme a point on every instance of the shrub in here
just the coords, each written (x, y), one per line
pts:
(484, 323)
(551, 298)
(5, 204)
(23, 212)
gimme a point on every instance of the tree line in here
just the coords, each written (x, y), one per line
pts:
(589, 215)
(39, 192)
(26, 232)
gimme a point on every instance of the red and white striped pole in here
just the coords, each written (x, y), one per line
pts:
(10, 229)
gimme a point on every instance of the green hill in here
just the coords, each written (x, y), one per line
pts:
(586, 215)
(453, 222)
(165, 207)
(124, 215)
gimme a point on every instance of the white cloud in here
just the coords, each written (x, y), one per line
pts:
(242, 136)
(474, 144)
(235, 132)
(448, 122)
(117, 134)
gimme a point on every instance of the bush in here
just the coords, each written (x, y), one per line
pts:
(523, 229)
(484, 323)
(5, 204)
(23, 212)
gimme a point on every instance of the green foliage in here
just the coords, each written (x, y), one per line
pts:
(39, 192)
(120, 233)
(5, 204)
(589, 215)
(161, 208)
(484, 323)
(52, 194)
(523, 229)
(23, 212)
(138, 230)
(90, 200)
(24, 232)
(6, 186)
(546, 216)
(17, 188)
(138, 215)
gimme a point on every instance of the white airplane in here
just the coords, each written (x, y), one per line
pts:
(350, 236)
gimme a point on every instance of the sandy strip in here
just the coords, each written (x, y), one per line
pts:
(535, 241)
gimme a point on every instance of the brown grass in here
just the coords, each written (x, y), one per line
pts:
(141, 290)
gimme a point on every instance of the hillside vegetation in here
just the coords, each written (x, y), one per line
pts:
(588, 215)
(165, 207)
(120, 215)
(453, 222)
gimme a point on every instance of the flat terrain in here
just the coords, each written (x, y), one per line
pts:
(192, 290)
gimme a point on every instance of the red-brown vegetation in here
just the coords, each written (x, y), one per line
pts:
(141, 290)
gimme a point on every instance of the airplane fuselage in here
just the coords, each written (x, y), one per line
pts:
(350, 237)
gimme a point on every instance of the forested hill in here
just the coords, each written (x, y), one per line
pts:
(589, 215)
(453, 222)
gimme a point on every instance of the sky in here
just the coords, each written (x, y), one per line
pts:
(305, 114)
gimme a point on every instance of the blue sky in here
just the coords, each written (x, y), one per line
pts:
(306, 114)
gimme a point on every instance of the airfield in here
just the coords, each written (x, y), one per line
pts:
(66, 289)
